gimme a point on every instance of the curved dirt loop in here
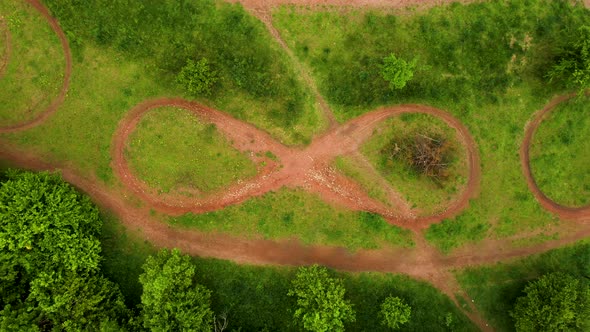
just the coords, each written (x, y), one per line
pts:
(307, 168)
(7, 48)
(581, 214)
(67, 73)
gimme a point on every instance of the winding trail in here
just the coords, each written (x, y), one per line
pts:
(59, 99)
(564, 212)
(307, 168)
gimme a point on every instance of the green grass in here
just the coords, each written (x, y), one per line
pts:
(483, 62)
(256, 81)
(172, 149)
(422, 192)
(256, 297)
(34, 72)
(495, 288)
(288, 213)
(560, 153)
(353, 169)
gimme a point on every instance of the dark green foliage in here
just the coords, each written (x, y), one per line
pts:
(554, 302)
(573, 64)
(197, 77)
(474, 53)
(50, 255)
(496, 288)
(395, 312)
(320, 300)
(171, 299)
(397, 71)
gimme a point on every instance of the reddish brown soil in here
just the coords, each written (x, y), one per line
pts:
(8, 46)
(564, 212)
(307, 168)
(67, 73)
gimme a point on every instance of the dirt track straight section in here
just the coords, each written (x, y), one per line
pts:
(564, 212)
(307, 168)
(67, 73)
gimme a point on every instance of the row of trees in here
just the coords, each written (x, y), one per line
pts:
(50, 278)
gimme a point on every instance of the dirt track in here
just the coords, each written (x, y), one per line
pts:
(564, 212)
(42, 117)
(307, 168)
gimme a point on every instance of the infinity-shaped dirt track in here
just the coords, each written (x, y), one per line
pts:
(307, 168)
(59, 99)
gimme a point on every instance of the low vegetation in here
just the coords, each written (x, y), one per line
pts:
(421, 157)
(559, 153)
(288, 213)
(34, 70)
(172, 150)
(484, 62)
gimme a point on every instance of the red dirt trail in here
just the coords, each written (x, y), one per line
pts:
(44, 115)
(564, 212)
(307, 168)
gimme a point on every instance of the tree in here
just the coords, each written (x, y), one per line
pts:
(197, 77)
(397, 71)
(171, 299)
(50, 255)
(320, 300)
(573, 64)
(395, 312)
(554, 302)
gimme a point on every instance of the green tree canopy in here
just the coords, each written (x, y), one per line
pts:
(554, 302)
(395, 312)
(197, 77)
(171, 299)
(320, 300)
(397, 71)
(573, 64)
(49, 258)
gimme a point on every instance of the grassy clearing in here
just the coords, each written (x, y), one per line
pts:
(483, 62)
(495, 288)
(353, 169)
(34, 72)
(560, 153)
(425, 194)
(288, 213)
(255, 81)
(256, 297)
(171, 149)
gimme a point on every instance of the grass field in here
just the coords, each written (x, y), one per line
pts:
(171, 149)
(483, 62)
(495, 288)
(289, 213)
(560, 153)
(354, 169)
(422, 192)
(34, 72)
(265, 288)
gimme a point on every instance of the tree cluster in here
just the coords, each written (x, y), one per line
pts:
(573, 62)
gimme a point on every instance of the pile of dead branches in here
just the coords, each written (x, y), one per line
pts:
(427, 154)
